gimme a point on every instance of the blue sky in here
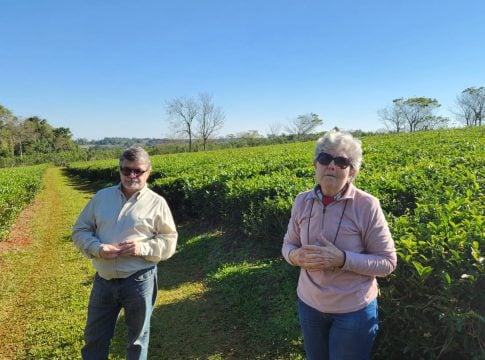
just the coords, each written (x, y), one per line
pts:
(106, 68)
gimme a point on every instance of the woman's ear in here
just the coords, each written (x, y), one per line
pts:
(352, 173)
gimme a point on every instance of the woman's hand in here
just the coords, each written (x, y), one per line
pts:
(332, 256)
(318, 257)
(307, 257)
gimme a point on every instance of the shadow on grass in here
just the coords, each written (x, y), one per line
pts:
(244, 305)
(84, 185)
(246, 310)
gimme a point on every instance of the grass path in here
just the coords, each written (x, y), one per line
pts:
(45, 284)
(208, 307)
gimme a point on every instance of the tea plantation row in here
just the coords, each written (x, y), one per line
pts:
(18, 187)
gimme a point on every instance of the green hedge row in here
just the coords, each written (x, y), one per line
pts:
(18, 187)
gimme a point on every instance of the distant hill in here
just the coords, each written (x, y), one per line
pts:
(122, 142)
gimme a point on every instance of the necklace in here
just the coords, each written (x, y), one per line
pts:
(339, 223)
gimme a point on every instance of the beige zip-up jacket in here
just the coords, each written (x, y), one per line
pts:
(364, 236)
(109, 218)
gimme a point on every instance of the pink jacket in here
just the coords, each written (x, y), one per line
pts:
(364, 236)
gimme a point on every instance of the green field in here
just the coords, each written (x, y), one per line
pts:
(227, 294)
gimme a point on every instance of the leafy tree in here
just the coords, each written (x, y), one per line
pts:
(471, 105)
(40, 135)
(6, 117)
(33, 138)
(304, 124)
(413, 114)
(210, 118)
(5, 114)
(15, 135)
(63, 140)
(434, 122)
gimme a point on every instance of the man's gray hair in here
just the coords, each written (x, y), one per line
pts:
(138, 154)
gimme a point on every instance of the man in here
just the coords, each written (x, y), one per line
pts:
(126, 230)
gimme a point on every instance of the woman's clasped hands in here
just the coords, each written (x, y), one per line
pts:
(322, 256)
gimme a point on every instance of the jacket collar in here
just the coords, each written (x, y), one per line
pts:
(316, 193)
(137, 194)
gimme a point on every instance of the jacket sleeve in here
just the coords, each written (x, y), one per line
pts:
(292, 239)
(162, 246)
(379, 258)
(84, 232)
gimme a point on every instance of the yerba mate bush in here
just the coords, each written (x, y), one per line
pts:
(18, 187)
(430, 185)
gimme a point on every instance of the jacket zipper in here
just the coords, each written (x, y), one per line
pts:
(323, 217)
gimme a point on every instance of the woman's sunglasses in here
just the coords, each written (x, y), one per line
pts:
(325, 159)
(126, 171)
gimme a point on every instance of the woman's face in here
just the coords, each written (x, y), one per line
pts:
(333, 177)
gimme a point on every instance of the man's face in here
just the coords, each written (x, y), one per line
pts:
(134, 176)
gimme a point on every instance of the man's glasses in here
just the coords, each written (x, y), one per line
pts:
(128, 171)
(325, 159)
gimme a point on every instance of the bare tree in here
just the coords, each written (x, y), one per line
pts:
(304, 124)
(210, 118)
(393, 119)
(182, 112)
(471, 104)
(274, 129)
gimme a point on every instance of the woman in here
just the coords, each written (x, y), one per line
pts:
(339, 238)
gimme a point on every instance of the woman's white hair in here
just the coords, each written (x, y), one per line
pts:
(340, 141)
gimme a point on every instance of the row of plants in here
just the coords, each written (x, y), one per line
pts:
(431, 188)
(18, 186)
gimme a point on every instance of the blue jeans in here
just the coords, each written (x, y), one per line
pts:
(338, 336)
(136, 295)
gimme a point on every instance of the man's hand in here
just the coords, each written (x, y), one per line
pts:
(108, 251)
(129, 248)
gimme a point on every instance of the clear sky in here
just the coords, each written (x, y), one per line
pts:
(106, 68)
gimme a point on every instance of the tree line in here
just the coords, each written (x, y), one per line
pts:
(33, 140)
(202, 119)
(418, 113)
(33, 135)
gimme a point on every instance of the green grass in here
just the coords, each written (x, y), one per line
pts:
(224, 298)
(219, 297)
(46, 286)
